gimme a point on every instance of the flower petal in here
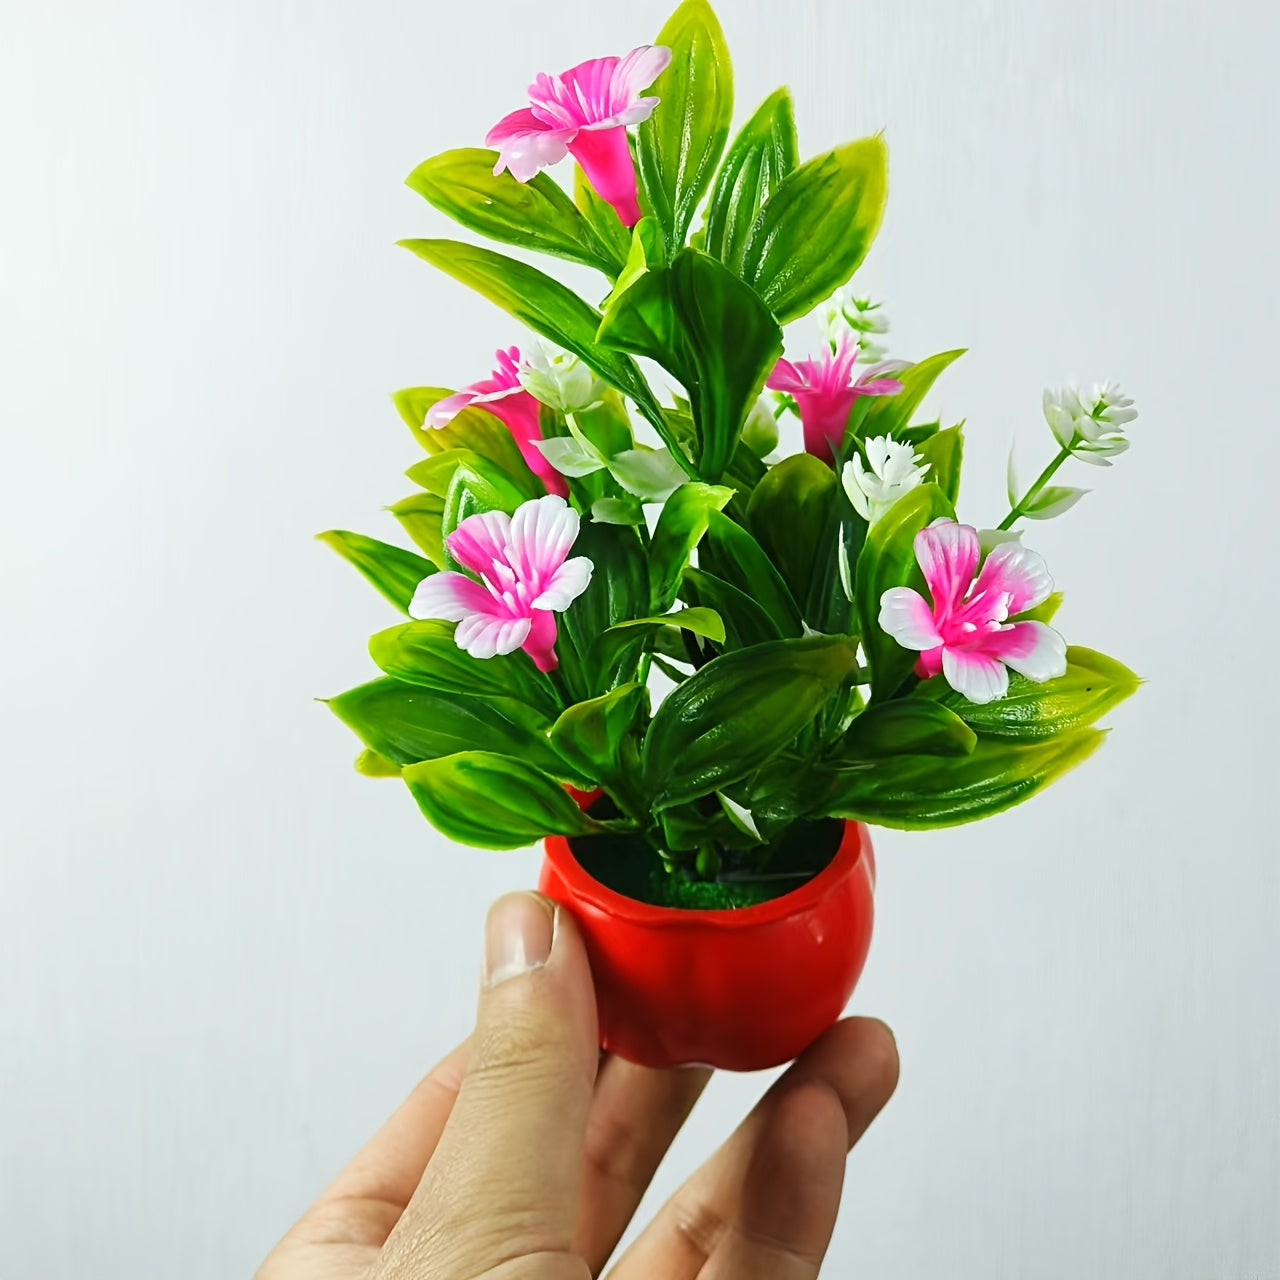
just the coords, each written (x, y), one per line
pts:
(526, 144)
(542, 531)
(786, 377)
(450, 597)
(905, 615)
(539, 642)
(481, 540)
(975, 675)
(484, 635)
(1033, 649)
(635, 73)
(444, 411)
(947, 553)
(567, 583)
(1018, 572)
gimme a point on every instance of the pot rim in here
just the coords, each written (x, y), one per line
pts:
(854, 844)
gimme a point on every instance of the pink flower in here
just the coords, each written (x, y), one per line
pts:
(965, 634)
(504, 397)
(825, 389)
(584, 112)
(522, 580)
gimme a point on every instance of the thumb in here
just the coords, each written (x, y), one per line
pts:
(504, 1180)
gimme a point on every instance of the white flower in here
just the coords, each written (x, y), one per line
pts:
(559, 379)
(843, 311)
(1092, 426)
(895, 469)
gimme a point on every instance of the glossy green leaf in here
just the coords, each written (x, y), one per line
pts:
(533, 215)
(731, 553)
(816, 228)
(906, 726)
(477, 488)
(891, 415)
(762, 154)
(745, 622)
(944, 452)
(494, 801)
(406, 723)
(478, 431)
(413, 404)
(618, 590)
(680, 527)
(548, 308)
(679, 145)
(599, 737)
(712, 332)
(421, 516)
(425, 653)
(394, 571)
(888, 559)
(917, 792)
(1031, 711)
(614, 238)
(738, 711)
(634, 636)
(701, 622)
(788, 515)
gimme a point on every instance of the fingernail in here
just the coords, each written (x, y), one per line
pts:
(517, 936)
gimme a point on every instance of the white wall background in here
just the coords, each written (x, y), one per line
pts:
(224, 957)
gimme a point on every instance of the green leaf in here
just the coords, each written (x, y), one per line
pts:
(476, 489)
(370, 764)
(731, 553)
(425, 653)
(891, 415)
(917, 793)
(406, 723)
(614, 238)
(708, 329)
(738, 711)
(1052, 501)
(761, 156)
(906, 726)
(701, 622)
(944, 452)
(435, 474)
(679, 145)
(1042, 612)
(816, 228)
(680, 527)
(413, 404)
(598, 737)
(745, 622)
(888, 559)
(789, 514)
(533, 215)
(394, 571)
(477, 431)
(618, 590)
(1030, 711)
(494, 801)
(550, 309)
(421, 516)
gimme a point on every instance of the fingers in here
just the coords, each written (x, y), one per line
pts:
(857, 1062)
(791, 1191)
(366, 1199)
(505, 1178)
(634, 1118)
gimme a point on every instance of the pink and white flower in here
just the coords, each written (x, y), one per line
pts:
(965, 633)
(522, 580)
(503, 395)
(825, 390)
(584, 112)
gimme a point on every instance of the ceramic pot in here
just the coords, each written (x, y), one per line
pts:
(738, 989)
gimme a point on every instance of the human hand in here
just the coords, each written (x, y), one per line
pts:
(524, 1154)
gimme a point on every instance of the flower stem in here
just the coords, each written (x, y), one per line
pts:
(1034, 492)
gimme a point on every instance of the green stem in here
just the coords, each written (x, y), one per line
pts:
(1034, 492)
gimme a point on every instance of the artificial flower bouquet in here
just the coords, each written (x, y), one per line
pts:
(647, 626)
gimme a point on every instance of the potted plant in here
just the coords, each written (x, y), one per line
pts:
(691, 661)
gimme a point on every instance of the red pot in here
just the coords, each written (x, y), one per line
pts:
(740, 989)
